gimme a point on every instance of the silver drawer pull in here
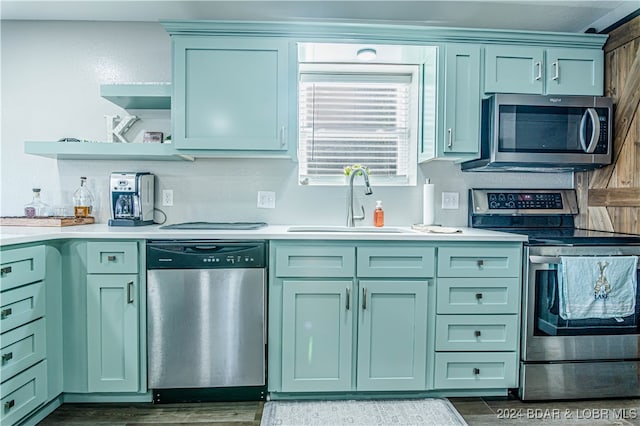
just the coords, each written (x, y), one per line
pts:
(111, 258)
(480, 263)
(478, 296)
(5, 313)
(477, 333)
(6, 270)
(476, 371)
(7, 357)
(9, 405)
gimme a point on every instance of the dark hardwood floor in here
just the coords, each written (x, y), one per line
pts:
(475, 411)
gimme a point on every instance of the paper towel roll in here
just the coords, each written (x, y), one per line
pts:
(428, 203)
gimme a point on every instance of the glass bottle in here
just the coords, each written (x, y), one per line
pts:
(83, 200)
(36, 207)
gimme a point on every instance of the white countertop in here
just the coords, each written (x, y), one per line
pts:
(21, 234)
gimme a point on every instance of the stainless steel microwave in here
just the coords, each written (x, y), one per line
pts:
(544, 133)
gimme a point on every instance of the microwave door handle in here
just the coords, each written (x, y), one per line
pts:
(591, 114)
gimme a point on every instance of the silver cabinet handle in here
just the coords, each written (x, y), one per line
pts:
(449, 137)
(556, 71)
(5, 270)
(476, 371)
(130, 292)
(5, 313)
(479, 296)
(539, 72)
(9, 405)
(348, 306)
(7, 357)
(364, 298)
(477, 333)
(480, 263)
(283, 136)
(111, 258)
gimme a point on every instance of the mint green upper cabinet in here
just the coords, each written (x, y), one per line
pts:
(550, 71)
(457, 107)
(392, 334)
(513, 69)
(317, 335)
(462, 100)
(230, 93)
(574, 72)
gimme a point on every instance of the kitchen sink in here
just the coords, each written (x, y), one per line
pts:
(358, 229)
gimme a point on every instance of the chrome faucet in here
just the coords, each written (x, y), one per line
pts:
(351, 218)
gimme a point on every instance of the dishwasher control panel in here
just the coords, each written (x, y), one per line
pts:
(206, 254)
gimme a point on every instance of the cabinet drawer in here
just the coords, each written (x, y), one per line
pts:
(21, 305)
(478, 295)
(475, 370)
(479, 261)
(321, 261)
(477, 332)
(396, 261)
(21, 266)
(21, 348)
(23, 393)
(112, 257)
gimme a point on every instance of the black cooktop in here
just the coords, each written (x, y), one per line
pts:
(237, 226)
(571, 236)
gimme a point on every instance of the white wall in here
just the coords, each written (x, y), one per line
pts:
(50, 83)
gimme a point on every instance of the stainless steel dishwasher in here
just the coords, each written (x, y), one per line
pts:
(206, 320)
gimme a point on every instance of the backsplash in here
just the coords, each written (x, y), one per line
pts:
(51, 77)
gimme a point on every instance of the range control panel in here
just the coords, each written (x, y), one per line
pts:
(517, 202)
(524, 200)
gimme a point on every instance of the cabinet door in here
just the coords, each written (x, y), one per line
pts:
(462, 99)
(112, 333)
(230, 93)
(513, 69)
(392, 334)
(574, 72)
(317, 332)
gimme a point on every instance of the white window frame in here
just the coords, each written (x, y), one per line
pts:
(365, 70)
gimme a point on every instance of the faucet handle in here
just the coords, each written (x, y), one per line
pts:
(360, 217)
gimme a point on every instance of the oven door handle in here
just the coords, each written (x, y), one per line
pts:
(546, 260)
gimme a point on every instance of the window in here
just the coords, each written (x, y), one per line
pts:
(364, 114)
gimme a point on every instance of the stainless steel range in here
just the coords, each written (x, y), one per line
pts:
(564, 358)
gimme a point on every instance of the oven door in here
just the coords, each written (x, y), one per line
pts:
(548, 337)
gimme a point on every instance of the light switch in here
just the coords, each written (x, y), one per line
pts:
(450, 200)
(266, 200)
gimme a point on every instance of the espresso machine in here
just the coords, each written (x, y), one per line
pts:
(131, 200)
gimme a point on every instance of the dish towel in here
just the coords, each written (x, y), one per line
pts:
(597, 287)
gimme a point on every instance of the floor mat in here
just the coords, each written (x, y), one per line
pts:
(430, 411)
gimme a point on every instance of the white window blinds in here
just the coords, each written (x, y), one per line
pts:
(365, 118)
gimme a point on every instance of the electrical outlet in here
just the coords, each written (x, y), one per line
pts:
(450, 200)
(266, 200)
(167, 197)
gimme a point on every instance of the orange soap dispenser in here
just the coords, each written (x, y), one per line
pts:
(378, 215)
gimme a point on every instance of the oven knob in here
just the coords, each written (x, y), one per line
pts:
(493, 205)
(511, 204)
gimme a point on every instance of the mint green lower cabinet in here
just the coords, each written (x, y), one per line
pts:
(475, 370)
(392, 334)
(317, 335)
(112, 333)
